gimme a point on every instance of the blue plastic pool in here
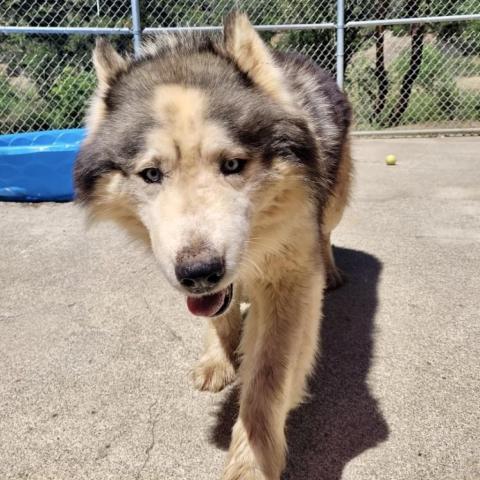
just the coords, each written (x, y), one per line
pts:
(38, 166)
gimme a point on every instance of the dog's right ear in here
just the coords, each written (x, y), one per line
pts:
(108, 63)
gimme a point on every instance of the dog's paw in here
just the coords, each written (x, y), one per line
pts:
(242, 471)
(335, 278)
(213, 375)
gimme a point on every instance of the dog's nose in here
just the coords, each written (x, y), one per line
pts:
(200, 277)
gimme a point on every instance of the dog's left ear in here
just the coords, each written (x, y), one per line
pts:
(252, 57)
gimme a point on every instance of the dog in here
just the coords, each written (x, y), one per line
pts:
(232, 162)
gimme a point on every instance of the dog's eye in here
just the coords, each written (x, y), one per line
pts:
(232, 165)
(152, 175)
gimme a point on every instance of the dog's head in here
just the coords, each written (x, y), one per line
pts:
(184, 147)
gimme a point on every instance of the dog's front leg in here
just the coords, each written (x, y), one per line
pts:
(216, 368)
(278, 347)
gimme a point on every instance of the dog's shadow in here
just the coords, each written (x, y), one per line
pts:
(342, 419)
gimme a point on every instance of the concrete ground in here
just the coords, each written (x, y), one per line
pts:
(95, 348)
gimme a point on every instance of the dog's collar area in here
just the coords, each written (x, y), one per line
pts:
(211, 305)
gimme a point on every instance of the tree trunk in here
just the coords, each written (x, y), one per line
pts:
(410, 76)
(380, 73)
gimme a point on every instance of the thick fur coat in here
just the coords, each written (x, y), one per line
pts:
(232, 163)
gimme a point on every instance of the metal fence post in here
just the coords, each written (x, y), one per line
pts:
(136, 27)
(340, 41)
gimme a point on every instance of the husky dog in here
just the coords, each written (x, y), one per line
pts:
(233, 163)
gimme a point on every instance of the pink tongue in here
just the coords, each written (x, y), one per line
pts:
(206, 306)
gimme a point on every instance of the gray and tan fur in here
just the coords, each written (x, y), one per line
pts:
(189, 104)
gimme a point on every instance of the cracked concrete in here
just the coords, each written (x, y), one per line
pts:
(96, 350)
(152, 421)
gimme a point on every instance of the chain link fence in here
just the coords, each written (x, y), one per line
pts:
(405, 64)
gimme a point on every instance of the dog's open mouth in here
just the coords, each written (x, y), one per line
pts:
(211, 305)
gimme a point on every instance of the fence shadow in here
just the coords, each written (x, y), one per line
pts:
(342, 419)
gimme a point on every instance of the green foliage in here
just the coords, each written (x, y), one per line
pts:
(360, 85)
(45, 80)
(469, 38)
(20, 106)
(60, 106)
(70, 93)
(435, 96)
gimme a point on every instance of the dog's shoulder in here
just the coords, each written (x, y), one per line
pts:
(316, 86)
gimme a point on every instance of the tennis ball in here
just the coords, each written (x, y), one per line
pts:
(391, 159)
